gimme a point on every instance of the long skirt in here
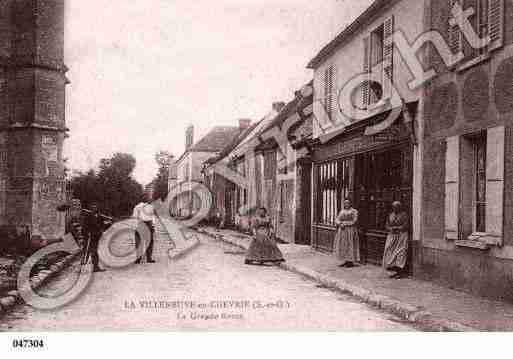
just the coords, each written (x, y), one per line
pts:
(396, 250)
(263, 248)
(347, 244)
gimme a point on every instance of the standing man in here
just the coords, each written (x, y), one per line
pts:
(145, 214)
(93, 230)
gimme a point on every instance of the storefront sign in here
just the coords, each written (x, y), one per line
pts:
(393, 134)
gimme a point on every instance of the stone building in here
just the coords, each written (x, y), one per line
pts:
(32, 115)
(467, 236)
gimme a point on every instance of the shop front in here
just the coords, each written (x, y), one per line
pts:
(372, 171)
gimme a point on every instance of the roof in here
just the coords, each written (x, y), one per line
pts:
(233, 144)
(295, 105)
(215, 140)
(375, 8)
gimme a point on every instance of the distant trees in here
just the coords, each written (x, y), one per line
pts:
(160, 182)
(112, 186)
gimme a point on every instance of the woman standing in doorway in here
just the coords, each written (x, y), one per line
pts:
(396, 247)
(263, 248)
(347, 244)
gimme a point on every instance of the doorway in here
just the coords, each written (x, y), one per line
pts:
(381, 177)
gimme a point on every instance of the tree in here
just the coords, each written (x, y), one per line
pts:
(112, 187)
(160, 182)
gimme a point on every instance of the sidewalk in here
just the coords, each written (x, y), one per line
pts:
(422, 303)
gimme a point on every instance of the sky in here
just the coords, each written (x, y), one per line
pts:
(142, 70)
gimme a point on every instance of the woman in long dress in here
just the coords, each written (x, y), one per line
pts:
(263, 248)
(347, 244)
(396, 247)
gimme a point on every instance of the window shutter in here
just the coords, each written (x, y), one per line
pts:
(388, 57)
(452, 187)
(455, 40)
(325, 97)
(329, 83)
(496, 23)
(367, 70)
(495, 182)
(332, 96)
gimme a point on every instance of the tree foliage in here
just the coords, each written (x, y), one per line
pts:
(160, 182)
(112, 186)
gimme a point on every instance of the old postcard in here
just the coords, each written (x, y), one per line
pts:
(285, 165)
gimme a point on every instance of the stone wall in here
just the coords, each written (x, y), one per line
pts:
(32, 115)
(462, 102)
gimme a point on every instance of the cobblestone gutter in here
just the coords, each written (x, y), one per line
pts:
(413, 314)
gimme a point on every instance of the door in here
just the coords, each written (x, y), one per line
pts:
(228, 204)
(303, 227)
(381, 177)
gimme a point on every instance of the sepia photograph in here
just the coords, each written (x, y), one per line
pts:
(255, 165)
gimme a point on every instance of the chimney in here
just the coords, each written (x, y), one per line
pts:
(244, 123)
(189, 137)
(278, 106)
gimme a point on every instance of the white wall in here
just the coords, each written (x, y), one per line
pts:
(348, 59)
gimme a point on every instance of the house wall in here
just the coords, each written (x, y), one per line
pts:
(459, 103)
(189, 168)
(409, 18)
(349, 58)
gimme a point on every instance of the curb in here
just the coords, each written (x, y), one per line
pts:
(411, 313)
(12, 298)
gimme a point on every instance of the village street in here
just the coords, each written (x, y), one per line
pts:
(170, 294)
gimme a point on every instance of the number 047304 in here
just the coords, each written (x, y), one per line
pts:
(27, 343)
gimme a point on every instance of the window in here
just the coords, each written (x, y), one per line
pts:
(378, 63)
(474, 188)
(241, 166)
(269, 165)
(333, 180)
(282, 161)
(481, 25)
(282, 201)
(479, 147)
(187, 172)
(488, 20)
(376, 50)
(242, 198)
(455, 36)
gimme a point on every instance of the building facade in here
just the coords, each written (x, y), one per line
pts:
(187, 170)
(238, 156)
(272, 170)
(467, 236)
(32, 116)
(369, 151)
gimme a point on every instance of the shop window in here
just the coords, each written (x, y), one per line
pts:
(333, 180)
